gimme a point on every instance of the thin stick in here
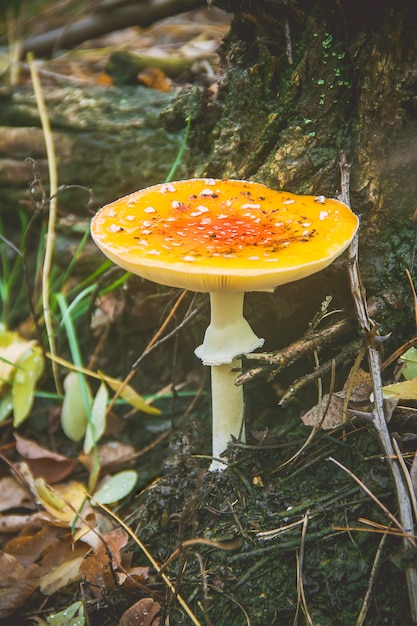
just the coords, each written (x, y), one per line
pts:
(373, 496)
(152, 342)
(407, 476)
(378, 415)
(50, 239)
(150, 558)
(413, 291)
(301, 599)
(367, 599)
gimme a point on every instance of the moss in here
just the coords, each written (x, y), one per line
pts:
(258, 578)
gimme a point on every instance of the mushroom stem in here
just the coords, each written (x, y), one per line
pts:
(227, 409)
(229, 333)
(227, 337)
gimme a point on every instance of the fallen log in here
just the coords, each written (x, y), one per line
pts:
(107, 139)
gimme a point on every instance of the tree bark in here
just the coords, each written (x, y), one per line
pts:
(303, 80)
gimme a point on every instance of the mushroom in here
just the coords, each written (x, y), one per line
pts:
(224, 237)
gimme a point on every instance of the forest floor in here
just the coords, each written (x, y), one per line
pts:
(108, 515)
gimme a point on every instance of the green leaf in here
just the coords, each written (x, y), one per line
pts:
(6, 406)
(74, 414)
(71, 616)
(116, 487)
(97, 423)
(409, 370)
(29, 368)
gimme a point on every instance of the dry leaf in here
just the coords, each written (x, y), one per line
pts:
(27, 549)
(142, 613)
(98, 568)
(17, 583)
(154, 78)
(359, 388)
(13, 495)
(60, 576)
(14, 523)
(43, 463)
(333, 417)
(63, 501)
(132, 577)
(114, 453)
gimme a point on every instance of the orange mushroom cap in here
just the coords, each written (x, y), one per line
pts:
(212, 235)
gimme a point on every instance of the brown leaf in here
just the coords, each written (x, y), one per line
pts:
(52, 467)
(14, 495)
(17, 583)
(100, 567)
(133, 577)
(360, 386)
(142, 613)
(333, 417)
(29, 548)
(113, 453)
(61, 566)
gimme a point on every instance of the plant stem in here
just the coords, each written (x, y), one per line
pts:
(50, 239)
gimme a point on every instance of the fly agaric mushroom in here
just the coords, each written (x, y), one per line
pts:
(224, 237)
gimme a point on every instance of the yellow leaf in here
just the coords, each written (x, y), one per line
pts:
(55, 500)
(407, 390)
(29, 369)
(12, 347)
(129, 395)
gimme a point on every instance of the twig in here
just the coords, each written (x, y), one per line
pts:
(150, 558)
(345, 353)
(301, 599)
(379, 421)
(295, 351)
(367, 599)
(374, 498)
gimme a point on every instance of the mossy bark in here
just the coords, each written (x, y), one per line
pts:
(304, 80)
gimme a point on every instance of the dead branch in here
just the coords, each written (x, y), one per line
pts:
(106, 21)
(297, 350)
(378, 415)
(346, 353)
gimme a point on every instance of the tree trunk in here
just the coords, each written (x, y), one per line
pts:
(308, 78)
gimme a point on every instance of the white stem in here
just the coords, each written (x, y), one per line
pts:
(229, 334)
(227, 409)
(227, 337)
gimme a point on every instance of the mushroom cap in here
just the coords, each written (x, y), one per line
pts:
(210, 235)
